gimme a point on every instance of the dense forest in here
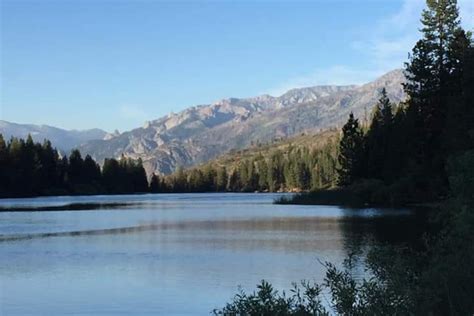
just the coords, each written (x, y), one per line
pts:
(30, 169)
(33, 169)
(289, 168)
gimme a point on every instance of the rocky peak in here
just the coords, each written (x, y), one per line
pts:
(202, 132)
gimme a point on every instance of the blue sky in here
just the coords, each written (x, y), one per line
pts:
(115, 64)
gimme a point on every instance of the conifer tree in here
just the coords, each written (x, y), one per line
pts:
(428, 73)
(221, 179)
(262, 171)
(235, 184)
(155, 184)
(179, 180)
(350, 152)
(377, 138)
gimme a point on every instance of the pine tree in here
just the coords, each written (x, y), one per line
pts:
(155, 184)
(428, 73)
(262, 171)
(137, 176)
(91, 171)
(235, 184)
(111, 176)
(75, 170)
(460, 116)
(179, 180)
(221, 179)
(49, 174)
(350, 152)
(378, 137)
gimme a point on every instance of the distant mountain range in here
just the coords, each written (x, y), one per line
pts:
(63, 139)
(203, 132)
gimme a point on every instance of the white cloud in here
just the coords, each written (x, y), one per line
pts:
(385, 48)
(394, 36)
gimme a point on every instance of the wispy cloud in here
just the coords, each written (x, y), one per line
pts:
(385, 48)
(394, 36)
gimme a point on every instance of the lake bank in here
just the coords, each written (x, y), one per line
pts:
(368, 193)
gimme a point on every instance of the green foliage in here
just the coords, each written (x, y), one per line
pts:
(303, 300)
(348, 296)
(461, 176)
(296, 168)
(351, 150)
(377, 138)
(156, 184)
(31, 169)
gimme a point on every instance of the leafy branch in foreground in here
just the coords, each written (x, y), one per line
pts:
(303, 300)
(347, 297)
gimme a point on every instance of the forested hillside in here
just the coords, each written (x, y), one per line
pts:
(295, 164)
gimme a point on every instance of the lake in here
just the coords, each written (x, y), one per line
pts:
(170, 254)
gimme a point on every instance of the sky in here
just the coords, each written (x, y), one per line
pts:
(80, 64)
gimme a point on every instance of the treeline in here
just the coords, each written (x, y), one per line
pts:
(294, 168)
(32, 169)
(404, 152)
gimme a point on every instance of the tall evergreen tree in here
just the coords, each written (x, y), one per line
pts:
(350, 152)
(75, 170)
(155, 184)
(428, 72)
(378, 137)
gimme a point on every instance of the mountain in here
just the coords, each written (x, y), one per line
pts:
(233, 158)
(203, 132)
(62, 139)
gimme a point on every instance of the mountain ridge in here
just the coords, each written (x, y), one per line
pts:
(200, 133)
(63, 139)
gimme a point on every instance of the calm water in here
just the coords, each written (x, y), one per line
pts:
(169, 254)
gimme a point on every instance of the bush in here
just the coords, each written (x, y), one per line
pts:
(304, 300)
(348, 297)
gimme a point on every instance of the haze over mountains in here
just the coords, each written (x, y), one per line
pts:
(203, 132)
(63, 139)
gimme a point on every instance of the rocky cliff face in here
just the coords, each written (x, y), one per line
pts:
(203, 132)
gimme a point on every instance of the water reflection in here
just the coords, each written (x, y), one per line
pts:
(173, 254)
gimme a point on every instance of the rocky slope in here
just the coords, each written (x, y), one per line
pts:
(63, 139)
(203, 132)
